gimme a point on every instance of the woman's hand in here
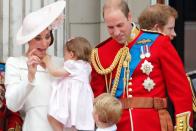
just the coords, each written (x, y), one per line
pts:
(32, 63)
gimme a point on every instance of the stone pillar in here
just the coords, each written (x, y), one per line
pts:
(84, 19)
(4, 30)
(1, 31)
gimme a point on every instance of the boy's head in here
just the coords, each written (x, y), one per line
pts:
(107, 110)
(79, 47)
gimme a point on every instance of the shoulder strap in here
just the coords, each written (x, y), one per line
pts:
(144, 39)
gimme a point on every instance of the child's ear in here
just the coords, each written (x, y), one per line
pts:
(72, 54)
(95, 116)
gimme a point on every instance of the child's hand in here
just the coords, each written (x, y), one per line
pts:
(46, 59)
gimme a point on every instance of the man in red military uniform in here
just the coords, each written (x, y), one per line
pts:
(139, 68)
(9, 121)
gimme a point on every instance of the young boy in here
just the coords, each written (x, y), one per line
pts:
(106, 112)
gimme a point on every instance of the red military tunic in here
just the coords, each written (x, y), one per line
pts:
(9, 121)
(167, 74)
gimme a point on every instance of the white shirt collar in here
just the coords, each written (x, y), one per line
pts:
(111, 128)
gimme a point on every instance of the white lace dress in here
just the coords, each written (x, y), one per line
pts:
(71, 102)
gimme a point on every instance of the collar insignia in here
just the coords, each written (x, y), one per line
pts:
(144, 41)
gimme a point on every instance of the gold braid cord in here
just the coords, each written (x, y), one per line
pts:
(122, 57)
(193, 94)
(17, 128)
(182, 122)
(97, 65)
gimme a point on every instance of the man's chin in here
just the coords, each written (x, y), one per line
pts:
(121, 42)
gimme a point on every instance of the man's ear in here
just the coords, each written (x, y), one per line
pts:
(156, 27)
(129, 17)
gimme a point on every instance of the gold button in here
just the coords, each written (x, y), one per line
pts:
(130, 89)
(130, 83)
(181, 124)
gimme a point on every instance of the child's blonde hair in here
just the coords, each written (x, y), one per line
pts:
(80, 47)
(107, 108)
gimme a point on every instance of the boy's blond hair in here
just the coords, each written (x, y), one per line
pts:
(107, 108)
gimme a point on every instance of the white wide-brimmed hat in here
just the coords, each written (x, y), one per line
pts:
(37, 21)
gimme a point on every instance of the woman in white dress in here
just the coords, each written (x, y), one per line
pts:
(71, 103)
(28, 85)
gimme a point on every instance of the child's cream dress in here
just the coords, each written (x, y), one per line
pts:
(71, 102)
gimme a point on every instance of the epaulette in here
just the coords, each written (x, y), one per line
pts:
(190, 76)
(104, 42)
(135, 26)
(151, 31)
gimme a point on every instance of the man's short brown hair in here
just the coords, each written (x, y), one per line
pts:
(156, 14)
(117, 4)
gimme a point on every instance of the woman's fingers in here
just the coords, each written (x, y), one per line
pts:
(33, 60)
(31, 53)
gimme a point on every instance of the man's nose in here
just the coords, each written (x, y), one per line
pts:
(116, 31)
(173, 33)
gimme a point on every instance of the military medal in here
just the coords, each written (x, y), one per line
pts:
(148, 84)
(147, 68)
(144, 52)
(147, 54)
(142, 55)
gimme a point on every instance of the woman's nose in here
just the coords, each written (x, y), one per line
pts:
(45, 43)
(116, 31)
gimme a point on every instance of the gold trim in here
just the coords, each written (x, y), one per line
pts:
(122, 58)
(17, 128)
(151, 31)
(144, 41)
(182, 122)
(99, 68)
(193, 95)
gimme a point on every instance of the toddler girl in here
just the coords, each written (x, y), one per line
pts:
(71, 103)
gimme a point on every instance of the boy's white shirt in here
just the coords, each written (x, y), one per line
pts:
(111, 128)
